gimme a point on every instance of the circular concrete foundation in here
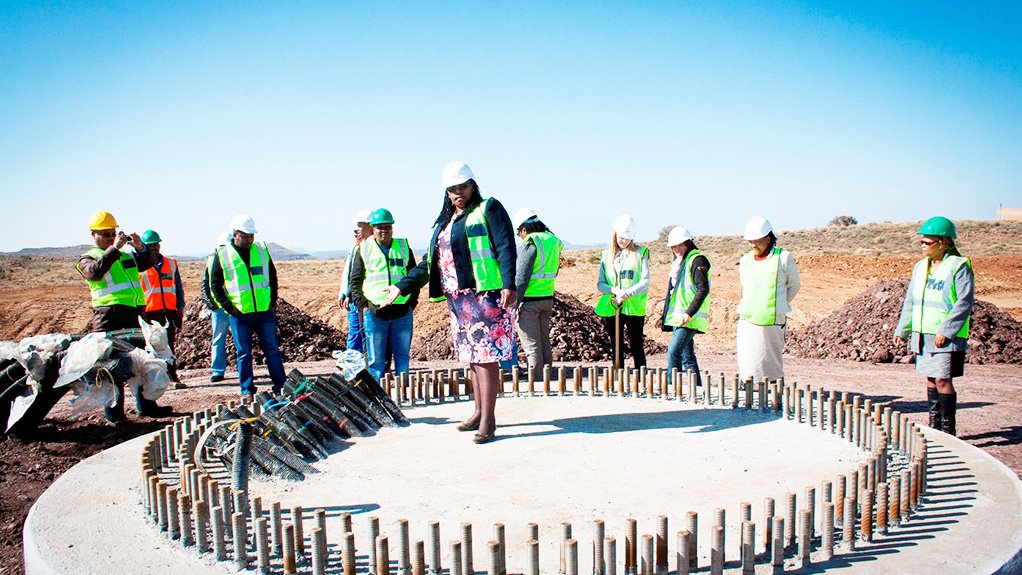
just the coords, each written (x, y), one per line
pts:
(556, 460)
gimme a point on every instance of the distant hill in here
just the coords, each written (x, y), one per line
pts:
(280, 253)
(277, 252)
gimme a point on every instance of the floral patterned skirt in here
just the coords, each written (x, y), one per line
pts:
(483, 332)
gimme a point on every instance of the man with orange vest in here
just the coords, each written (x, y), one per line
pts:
(164, 295)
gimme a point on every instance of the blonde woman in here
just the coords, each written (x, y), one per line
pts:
(624, 282)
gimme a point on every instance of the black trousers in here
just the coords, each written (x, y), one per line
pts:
(634, 325)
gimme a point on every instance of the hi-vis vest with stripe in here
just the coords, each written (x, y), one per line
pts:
(383, 269)
(159, 286)
(683, 294)
(934, 294)
(485, 266)
(120, 285)
(248, 287)
(759, 287)
(548, 262)
(630, 274)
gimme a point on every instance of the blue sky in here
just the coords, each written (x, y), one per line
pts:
(175, 116)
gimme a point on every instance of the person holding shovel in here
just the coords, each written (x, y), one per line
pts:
(624, 282)
(935, 318)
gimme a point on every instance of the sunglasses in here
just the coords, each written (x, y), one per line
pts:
(927, 242)
(106, 234)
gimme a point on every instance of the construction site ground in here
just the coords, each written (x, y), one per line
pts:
(39, 296)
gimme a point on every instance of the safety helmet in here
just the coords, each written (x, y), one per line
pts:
(456, 173)
(624, 227)
(521, 216)
(938, 226)
(381, 216)
(150, 237)
(223, 239)
(102, 221)
(678, 235)
(243, 223)
(757, 227)
(362, 217)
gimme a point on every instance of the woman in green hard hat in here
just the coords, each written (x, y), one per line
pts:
(935, 318)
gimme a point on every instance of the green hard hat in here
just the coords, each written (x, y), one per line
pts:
(381, 216)
(150, 237)
(938, 226)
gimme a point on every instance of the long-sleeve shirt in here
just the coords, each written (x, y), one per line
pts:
(358, 298)
(523, 271)
(700, 277)
(216, 280)
(178, 286)
(93, 269)
(956, 318)
(640, 287)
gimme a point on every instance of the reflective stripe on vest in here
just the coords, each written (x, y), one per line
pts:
(759, 287)
(159, 286)
(630, 274)
(934, 294)
(683, 294)
(383, 269)
(120, 285)
(248, 287)
(548, 261)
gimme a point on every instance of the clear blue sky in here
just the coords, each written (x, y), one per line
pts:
(177, 115)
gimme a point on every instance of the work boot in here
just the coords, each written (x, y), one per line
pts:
(149, 407)
(931, 398)
(949, 413)
(115, 413)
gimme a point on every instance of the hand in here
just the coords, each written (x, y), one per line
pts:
(136, 242)
(898, 340)
(343, 302)
(618, 300)
(392, 294)
(685, 318)
(940, 340)
(121, 241)
(508, 297)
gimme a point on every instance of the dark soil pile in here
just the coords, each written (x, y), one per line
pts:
(301, 337)
(862, 329)
(576, 334)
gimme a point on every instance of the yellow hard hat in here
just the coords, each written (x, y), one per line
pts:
(102, 221)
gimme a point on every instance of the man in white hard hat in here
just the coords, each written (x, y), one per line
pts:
(770, 281)
(243, 282)
(362, 230)
(687, 305)
(539, 260)
(220, 320)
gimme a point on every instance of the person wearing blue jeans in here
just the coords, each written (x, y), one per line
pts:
(243, 281)
(380, 261)
(687, 306)
(264, 325)
(220, 320)
(362, 230)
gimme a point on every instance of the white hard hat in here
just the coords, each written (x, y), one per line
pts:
(678, 235)
(243, 223)
(456, 173)
(223, 239)
(624, 227)
(757, 227)
(362, 217)
(521, 216)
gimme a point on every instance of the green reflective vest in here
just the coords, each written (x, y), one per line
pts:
(630, 274)
(934, 294)
(346, 271)
(209, 273)
(485, 266)
(247, 286)
(383, 269)
(548, 262)
(759, 287)
(682, 296)
(120, 285)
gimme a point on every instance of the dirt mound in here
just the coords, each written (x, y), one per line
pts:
(301, 337)
(861, 330)
(576, 334)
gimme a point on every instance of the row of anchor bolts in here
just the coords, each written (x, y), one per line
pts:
(194, 508)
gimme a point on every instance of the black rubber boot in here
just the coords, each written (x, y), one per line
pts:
(115, 413)
(149, 408)
(931, 398)
(949, 413)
